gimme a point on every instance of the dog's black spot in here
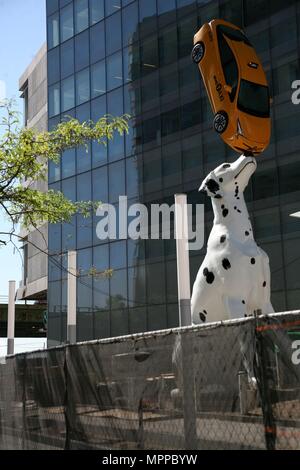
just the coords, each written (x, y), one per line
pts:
(210, 277)
(238, 198)
(243, 302)
(252, 260)
(225, 212)
(239, 211)
(226, 165)
(221, 180)
(223, 238)
(264, 284)
(226, 263)
(205, 312)
(247, 233)
(245, 315)
(202, 317)
(218, 196)
(222, 206)
(212, 185)
(235, 208)
(236, 182)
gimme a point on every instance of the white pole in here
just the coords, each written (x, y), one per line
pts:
(71, 308)
(183, 262)
(11, 317)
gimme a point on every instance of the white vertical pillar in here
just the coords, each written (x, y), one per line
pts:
(71, 307)
(183, 262)
(11, 317)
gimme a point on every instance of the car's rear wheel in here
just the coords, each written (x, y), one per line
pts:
(221, 122)
(198, 52)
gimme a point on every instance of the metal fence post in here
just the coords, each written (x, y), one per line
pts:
(262, 377)
(185, 319)
(71, 307)
(11, 317)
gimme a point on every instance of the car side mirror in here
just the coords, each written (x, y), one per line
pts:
(228, 88)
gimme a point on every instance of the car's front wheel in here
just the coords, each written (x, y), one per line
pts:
(221, 122)
(198, 52)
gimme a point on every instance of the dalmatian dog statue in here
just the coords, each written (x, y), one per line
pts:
(234, 278)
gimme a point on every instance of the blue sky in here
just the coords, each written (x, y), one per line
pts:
(22, 32)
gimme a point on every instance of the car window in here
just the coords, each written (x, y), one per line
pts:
(254, 99)
(229, 65)
(234, 34)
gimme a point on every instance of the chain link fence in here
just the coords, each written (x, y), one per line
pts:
(229, 385)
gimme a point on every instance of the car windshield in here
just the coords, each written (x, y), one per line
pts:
(254, 99)
(234, 34)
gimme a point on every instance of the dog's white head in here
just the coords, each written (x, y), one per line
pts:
(229, 177)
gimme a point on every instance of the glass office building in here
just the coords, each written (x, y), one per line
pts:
(124, 56)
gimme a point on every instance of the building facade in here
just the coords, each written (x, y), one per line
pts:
(115, 57)
(33, 88)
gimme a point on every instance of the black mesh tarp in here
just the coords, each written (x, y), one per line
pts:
(230, 385)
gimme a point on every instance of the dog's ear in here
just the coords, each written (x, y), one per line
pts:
(211, 187)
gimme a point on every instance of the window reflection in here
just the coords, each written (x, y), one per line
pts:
(53, 31)
(82, 86)
(82, 50)
(54, 100)
(113, 33)
(114, 71)
(66, 23)
(67, 58)
(67, 94)
(98, 79)
(96, 10)
(97, 42)
(68, 163)
(130, 24)
(81, 15)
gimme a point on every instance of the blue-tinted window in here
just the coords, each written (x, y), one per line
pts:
(96, 11)
(134, 176)
(66, 23)
(53, 171)
(165, 6)
(100, 184)
(98, 79)
(84, 224)
(131, 63)
(149, 55)
(67, 94)
(114, 71)
(67, 58)
(99, 154)
(118, 256)
(115, 108)
(82, 50)
(168, 45)
(82, 86)
(111, 6)
(116, 180)
(81, 15)
(98, 108)
(101, 257)
(118, 291)
(130, 20)
(97, 42)
(54, 100)
(68, 163)
(83, 112)
(115, 102)
(52, 6)
(132, 100)
(83, 154)
(113, 33)
(53, 66)
(148, 19)
(53, 31)
(84, 260)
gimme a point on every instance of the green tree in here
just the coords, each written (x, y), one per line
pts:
(24, 157)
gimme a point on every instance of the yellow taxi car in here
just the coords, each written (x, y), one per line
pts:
(236, 85)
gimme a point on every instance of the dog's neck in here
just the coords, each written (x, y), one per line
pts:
(232, 214)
